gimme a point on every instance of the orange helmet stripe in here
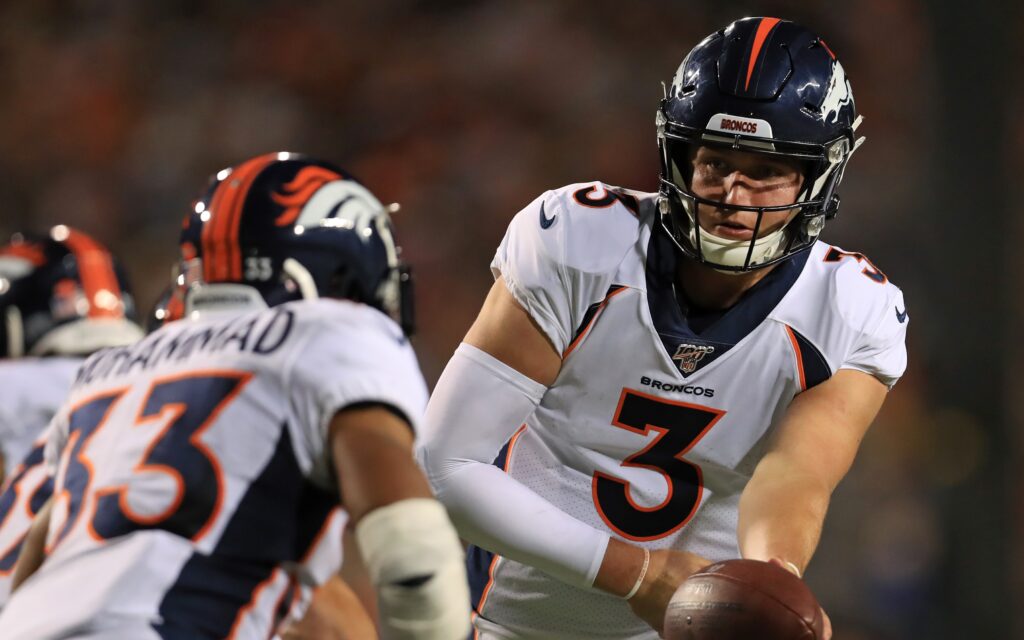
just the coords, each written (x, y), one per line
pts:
(222, 255)
(763, 29)
(96, 270)
(832, 55)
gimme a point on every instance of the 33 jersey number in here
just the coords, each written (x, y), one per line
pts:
(186, 406)
(679, 426)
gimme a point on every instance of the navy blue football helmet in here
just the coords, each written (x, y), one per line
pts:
(766, 86)
(62, 294)
(282, 227)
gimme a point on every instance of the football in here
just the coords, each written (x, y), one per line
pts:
(742, 599)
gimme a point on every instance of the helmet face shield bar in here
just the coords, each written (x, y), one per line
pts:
(727, 255)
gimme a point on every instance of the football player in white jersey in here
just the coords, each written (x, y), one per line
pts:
(195, 469)
(62, 296)
(659, 380)
(322, 604)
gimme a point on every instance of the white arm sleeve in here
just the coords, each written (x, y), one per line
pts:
(477, 405)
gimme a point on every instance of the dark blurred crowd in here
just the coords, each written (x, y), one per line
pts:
(115, 113)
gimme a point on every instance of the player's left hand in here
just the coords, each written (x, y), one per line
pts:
(792, 569)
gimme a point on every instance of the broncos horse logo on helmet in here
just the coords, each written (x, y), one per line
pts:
(284, 226)
(766, 86)
(62, 294)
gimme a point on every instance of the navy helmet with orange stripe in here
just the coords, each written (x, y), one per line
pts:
(62, 294)
(766, 86)
(284, 226)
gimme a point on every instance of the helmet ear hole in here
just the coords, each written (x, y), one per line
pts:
(344, 283)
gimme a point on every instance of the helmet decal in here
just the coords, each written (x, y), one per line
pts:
(296, 193)
(838, 94)
(340, 203)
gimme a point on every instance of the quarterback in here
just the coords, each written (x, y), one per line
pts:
(194, 470)
(660, 380)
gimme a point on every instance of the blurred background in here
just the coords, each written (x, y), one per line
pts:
(114, 114)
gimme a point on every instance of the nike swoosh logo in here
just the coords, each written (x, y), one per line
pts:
(545, 222)
(901, 315)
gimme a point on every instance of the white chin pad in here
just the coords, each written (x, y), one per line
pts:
(733, 253)
(416, 563)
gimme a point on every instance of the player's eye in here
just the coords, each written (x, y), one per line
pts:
(714, 166)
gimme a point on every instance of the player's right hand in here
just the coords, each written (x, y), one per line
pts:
(666, 571)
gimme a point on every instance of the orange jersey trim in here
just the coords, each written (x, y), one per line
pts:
(244, 611)
(799, 358)
(586, 329)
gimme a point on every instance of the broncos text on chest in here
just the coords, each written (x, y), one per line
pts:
(690, 389)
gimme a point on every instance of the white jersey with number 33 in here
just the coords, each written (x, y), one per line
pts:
(657, 418)
(193, 471)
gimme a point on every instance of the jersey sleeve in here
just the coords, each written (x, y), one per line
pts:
(351, 359)
(559, 256)
(881, 348)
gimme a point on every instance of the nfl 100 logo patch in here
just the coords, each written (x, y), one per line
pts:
(688, 355)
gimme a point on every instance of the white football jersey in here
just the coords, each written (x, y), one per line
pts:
(193, 471)
(31, 392)
(657, 419)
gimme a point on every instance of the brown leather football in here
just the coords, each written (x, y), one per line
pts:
(740, 600)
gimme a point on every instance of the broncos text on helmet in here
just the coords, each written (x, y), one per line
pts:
(284, 226)
(62, 294)
(766, 86)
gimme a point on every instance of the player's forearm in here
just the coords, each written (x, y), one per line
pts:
(478, 404)
(497, 513)
(781, 514)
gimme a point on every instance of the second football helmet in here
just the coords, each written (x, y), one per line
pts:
(283, 226)
(62, 294)
(766, 86)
